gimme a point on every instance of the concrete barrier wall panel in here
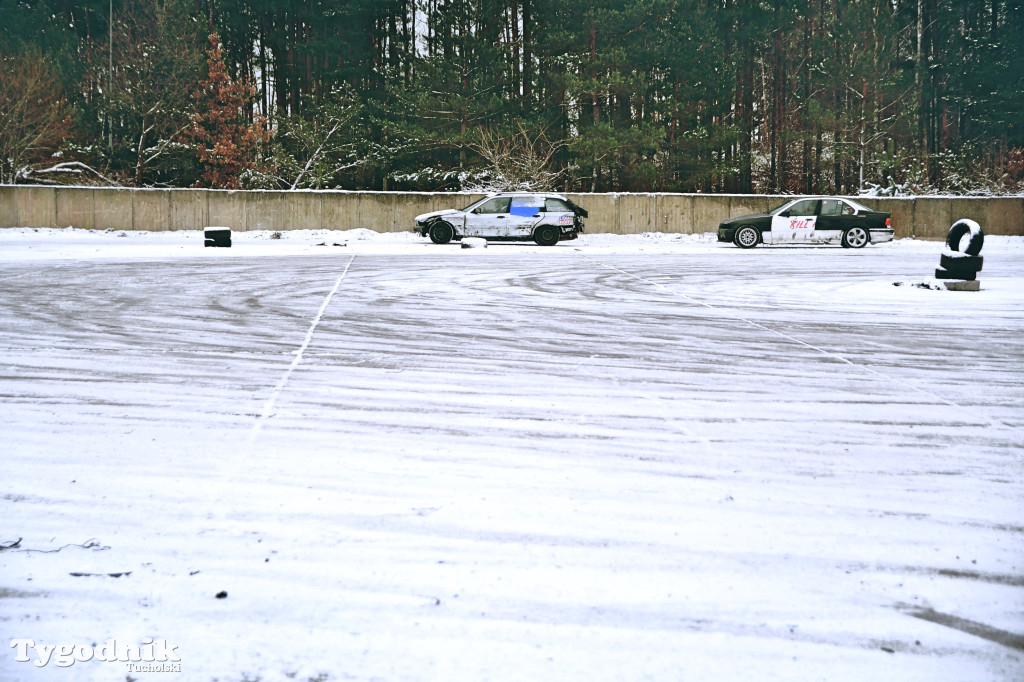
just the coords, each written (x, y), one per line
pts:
(977, 209)
(406, 211)
(37, 206)
(376, 211)
(740, 205)
(339, 210)
(1006, 215)
(303, 210)
(76, 208)
(8, 207)
(266, 211)
(150, 209)
(226, 208)
(603, 212)
(675, 212)
(113, 209)
(637, 213)
(995, 215)
(901, 213)
(188, 209)
(708, 211)
(933, 217)
(442, 201)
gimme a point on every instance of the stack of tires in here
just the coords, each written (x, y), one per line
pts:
(962, 264)
(218, 236)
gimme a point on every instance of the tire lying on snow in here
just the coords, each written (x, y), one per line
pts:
(961, 261)
(968, 275)
(220, 236)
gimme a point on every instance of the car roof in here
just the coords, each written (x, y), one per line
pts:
(551, 195)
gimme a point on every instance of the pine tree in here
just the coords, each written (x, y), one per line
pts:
(226, 142)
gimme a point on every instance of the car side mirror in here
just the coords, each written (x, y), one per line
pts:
(784, 214)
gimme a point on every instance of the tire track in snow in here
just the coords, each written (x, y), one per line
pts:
(33, 272)
(788, 337)
(268, 406)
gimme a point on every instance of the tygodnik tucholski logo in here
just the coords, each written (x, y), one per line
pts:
(152, 655)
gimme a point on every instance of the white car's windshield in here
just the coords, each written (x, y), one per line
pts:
(780, 207)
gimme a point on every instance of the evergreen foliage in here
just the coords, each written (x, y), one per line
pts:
(825, 96)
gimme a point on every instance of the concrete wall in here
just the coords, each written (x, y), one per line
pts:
(195, 209)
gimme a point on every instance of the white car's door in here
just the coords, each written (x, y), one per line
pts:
(525, 212)
(795, 225)
(489, 219)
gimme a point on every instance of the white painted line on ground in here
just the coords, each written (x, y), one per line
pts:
(788, 337)
(268, 406)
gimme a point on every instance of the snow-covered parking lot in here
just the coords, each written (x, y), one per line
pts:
(620, 458)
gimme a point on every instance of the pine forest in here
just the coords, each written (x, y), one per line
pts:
(883, 97)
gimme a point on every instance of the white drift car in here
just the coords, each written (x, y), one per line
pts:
(510, 216)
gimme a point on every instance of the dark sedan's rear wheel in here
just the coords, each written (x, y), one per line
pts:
(441, 233)
(547, 235)
(856, 238)
(747, 237)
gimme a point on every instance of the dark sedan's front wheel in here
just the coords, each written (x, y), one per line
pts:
(746, 237)
(856, 238)
(441, 233)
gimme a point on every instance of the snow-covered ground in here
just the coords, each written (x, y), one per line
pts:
(620, 458)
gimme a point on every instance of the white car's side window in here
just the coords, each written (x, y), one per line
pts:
(832, 207)
(495, 205)
(526, 206)
(556, 206)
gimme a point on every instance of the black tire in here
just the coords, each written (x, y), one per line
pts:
(547, 235)
(956, 235)
(961, 262)
(856, 238)
(746, 237)
(969, 275)
(441, 233)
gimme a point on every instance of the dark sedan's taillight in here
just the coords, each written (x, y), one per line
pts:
(888, 222)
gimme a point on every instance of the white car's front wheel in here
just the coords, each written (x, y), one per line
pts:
(441, 233)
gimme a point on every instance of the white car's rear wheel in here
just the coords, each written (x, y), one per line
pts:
(547, 235)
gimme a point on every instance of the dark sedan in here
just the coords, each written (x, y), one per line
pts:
(813, 220)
